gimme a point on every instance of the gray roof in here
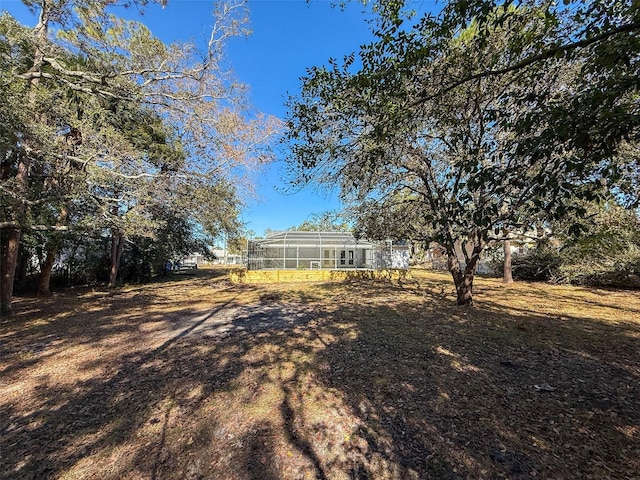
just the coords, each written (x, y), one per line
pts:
(316, 239)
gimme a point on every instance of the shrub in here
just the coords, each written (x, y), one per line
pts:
(618, 269)
(539, 264)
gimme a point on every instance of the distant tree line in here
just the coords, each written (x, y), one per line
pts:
(329, 221)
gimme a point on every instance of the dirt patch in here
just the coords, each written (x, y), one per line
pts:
(197, 378)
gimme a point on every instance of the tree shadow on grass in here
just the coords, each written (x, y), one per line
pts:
(257, 458)
(70, 422)
(296, 439)
(144, 393)
(366, 382)
(469, 393)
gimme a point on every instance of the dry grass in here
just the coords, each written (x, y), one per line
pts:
(197, 378)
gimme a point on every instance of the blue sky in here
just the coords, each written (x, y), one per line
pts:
(288, 37)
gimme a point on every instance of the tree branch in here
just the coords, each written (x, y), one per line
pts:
(545, 55)
(39, 228)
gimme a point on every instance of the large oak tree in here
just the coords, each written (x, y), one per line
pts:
(89, 76)
(485, 120)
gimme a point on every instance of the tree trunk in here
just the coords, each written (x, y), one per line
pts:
(117, 242)
(21, 269)
(53, 247)
(507, 276)
(9, 259)
(464, 289)
(44, 281)
(463, 279)
(11, 244)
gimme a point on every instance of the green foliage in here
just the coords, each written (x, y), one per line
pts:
(489, 118)
(607, 252)
(172, 241)
(89, 143)
(329, 221)
(540, 264)
(619, 270)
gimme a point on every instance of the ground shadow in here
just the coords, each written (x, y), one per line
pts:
(365, 382)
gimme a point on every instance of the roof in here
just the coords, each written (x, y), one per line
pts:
(316, 239)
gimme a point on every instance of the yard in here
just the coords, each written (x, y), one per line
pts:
(197, 378)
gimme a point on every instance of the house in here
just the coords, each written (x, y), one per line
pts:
(193, 260)
(324, 250)
(220, 255)
(223, 257)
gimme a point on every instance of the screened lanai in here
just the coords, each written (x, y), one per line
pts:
(314, 250)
